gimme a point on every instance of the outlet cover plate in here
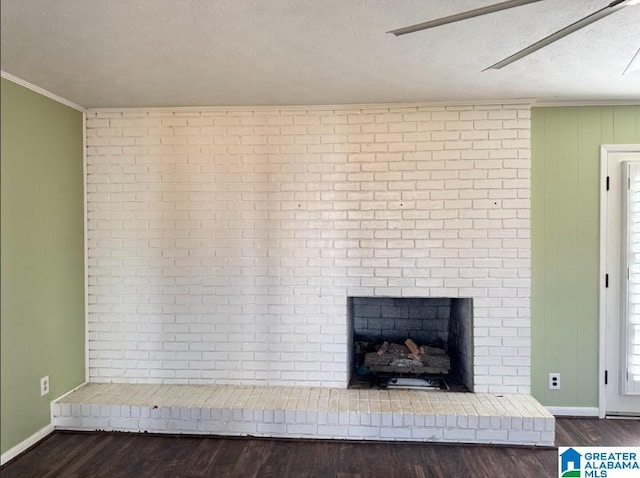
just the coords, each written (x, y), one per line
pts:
(554, 381)
(44, 386)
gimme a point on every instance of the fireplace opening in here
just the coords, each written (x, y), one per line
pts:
(417, 343)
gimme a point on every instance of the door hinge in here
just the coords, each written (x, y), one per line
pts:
(606, 377)
(607, 183)
(606, 280)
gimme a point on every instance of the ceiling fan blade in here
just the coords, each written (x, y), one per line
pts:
(462, 16)
(568, 30)
(635, 59)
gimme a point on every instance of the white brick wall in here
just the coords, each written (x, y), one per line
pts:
(223, 243)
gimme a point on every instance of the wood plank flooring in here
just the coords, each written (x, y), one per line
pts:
(75, 455)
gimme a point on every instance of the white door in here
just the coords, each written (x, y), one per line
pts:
(621, 292)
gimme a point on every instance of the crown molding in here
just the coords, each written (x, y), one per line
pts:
(41, 91)
(336, 107)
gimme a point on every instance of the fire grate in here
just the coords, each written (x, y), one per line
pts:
(415, 383)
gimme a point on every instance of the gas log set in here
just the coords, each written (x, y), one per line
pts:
(408, 358)
(395, 363)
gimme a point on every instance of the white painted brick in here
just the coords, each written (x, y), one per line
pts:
(212, 224)
(458, 435)
(492, 436)
(524, 437)
(68, 423)
(333, 431)
(92, 423)
(392, 433)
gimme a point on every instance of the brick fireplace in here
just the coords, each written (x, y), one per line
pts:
(224, 244)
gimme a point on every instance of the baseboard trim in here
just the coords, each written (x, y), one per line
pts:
(26, 444)
(574, 411)
(37, 436)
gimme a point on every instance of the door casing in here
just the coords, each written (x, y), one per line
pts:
(605, 150)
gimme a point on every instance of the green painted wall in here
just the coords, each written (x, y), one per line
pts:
(565, 215)
(42, 292)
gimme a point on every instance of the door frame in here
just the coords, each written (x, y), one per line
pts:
(605, 150)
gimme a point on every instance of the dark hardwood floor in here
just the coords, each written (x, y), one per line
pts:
(113, 455)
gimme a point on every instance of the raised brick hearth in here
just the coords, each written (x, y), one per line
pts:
(302, 412)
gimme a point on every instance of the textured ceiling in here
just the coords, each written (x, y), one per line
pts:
(119, 53)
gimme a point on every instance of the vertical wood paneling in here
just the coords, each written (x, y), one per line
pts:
(538, 269)
(565, 244)
(566, 287)
(607, 125)
(552, 343)
(589, 127)
(624, 124)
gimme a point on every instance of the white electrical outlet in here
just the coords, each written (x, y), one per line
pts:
(44, 386)
(554, 381)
